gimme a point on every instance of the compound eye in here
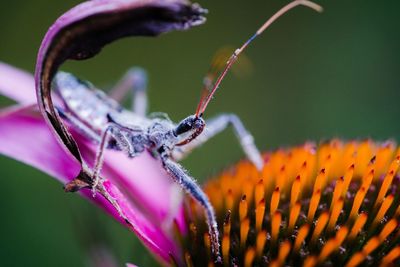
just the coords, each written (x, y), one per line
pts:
(185, 126)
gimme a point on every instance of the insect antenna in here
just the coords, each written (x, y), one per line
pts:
(217, 63)
(208, 94)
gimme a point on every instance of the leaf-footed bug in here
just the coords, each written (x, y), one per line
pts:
(109, 125)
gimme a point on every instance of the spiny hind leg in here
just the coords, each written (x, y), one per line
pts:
(180, 176)
(134, 80)
(218, 124)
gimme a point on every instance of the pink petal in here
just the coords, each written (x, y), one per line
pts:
(17, 84)
(24, 136)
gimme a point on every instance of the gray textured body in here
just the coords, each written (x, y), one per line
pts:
(94, 112)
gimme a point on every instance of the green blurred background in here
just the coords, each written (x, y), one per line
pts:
(313, 77)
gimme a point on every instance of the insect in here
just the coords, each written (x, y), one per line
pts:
(109, 125)
(105, 122)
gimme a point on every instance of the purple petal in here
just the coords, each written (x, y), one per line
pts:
(158, 241)
(17, 84)
(82, 31)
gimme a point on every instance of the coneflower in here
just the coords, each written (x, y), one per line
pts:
(336, 203)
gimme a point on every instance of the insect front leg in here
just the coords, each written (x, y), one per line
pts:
(121, 136)
(218, 124)
(180, 176)
(135, 80)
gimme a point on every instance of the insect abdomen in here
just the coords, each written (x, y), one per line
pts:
(80, 98)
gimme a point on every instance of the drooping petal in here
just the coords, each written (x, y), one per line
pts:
(17, 84)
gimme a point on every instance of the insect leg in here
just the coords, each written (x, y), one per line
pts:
(134, 80)
(180, 176)
(121, 137)
(98, 162)
(217, 125)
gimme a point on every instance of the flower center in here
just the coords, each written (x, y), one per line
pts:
(338, 203)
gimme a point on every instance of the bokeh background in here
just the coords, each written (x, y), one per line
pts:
(311, 77)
